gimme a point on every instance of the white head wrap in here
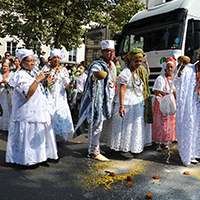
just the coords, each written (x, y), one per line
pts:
(57, 52)
(107, 44)
(23, 53)
(169, 60)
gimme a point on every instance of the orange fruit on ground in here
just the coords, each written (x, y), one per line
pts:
(186, 172)
(149, 195)
(129, 177)
(156, 177)
(129, 184)
(112, 174)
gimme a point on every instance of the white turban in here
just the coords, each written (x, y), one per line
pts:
(57, 52)
(23, 53)
(107, 44)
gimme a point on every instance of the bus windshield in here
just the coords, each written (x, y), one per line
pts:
(157, 38)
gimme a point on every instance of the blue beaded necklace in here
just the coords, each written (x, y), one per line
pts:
(44, 91)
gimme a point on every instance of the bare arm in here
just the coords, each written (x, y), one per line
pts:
(159, 93)
(147, 65)
(34, 85)
(121, 99)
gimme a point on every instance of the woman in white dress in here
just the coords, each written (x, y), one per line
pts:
(131, 129)
(5, 94)
(57, 96)
(31, 139)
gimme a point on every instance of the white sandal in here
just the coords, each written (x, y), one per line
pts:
(100, 157)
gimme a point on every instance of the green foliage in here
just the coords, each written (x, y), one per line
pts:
(62, 22)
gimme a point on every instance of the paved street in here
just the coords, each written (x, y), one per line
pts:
(77, 177)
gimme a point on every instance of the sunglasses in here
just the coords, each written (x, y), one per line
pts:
(7, 55)
(109, 51)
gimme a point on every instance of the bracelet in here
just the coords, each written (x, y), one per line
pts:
(37, 81)
(121, 105)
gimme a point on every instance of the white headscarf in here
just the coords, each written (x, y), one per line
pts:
(57, 52)
(167, 61)
(22, 53)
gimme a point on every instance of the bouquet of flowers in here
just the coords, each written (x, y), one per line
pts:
(74, 73)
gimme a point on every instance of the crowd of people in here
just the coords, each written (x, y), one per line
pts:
(38, 102)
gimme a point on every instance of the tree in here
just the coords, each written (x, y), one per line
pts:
(62, 22)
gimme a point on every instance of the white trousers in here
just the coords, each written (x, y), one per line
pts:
(94, 133)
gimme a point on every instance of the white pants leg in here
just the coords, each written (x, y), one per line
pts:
(94, 133)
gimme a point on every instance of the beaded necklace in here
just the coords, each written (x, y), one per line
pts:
(134, 84)
(52, 79)
(34, 76)
(112, 76)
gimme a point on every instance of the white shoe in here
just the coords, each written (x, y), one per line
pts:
(194, 161)
(100, 157)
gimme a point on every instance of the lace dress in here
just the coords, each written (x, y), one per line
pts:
(62, 119)
(130, 133)
(160, 128)
(188, 115)
(31, 139)
(5, 100)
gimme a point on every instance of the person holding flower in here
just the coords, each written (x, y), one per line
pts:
(31, 139)
(132, 118)
(58, 81)
(162, 131)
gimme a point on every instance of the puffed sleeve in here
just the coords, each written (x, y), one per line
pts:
(21, 83)
(125, 76)
(159, 84)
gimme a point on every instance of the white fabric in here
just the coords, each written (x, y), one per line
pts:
(62, 120)
(5, 91)
(94, 133)
(30, 143)
(160, 84)
(130, 133)
(34, 109)
(57, 52)
(31, 139)
(112, 80)
(187, 115)
(126, 78)
(107, 123)
(22, 53)
(164, 64)
(107, 44)
(80, 83)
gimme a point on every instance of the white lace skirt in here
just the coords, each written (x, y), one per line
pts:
(130, 133)
(62, 123)
(30, 143)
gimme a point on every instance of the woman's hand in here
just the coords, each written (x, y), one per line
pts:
(121, 111)
(159, 93)
(42, 76)
(4, 81)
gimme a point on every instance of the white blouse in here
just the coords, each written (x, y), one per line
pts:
(134, 90)
(161, 84)
(33, 109)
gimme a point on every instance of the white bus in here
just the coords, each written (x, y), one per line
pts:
(168, 29)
